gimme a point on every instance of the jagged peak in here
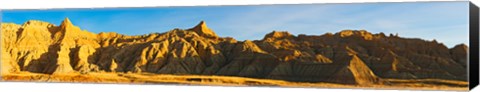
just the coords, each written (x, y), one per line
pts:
(203, 30)
(202, 23)
(362, 33)
(67, 25)
(66, 22)
(345, 33)
(278, 34)
(67, 30)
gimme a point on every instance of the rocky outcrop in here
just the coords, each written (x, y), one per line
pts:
(348, 57)
(202, 30)
(458, 54)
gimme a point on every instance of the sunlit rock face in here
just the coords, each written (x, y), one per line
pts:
(349, 56)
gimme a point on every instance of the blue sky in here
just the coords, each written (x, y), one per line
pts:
(447, 22)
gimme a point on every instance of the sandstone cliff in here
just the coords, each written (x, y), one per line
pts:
(349, 56)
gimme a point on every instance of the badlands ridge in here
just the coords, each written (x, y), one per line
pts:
(349, 57)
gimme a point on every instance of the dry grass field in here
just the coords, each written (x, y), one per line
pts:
(130, 78)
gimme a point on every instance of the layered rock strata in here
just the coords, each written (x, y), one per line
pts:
(348, 57)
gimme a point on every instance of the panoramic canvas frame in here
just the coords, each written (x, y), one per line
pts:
(265, 54)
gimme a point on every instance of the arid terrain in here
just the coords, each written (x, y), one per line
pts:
(43, 52)
(123, 78)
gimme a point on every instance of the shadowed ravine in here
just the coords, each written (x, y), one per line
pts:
(40, 51)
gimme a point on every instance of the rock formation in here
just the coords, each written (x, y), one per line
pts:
(349, 56)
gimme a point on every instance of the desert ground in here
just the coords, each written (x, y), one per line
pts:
(147, 78)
